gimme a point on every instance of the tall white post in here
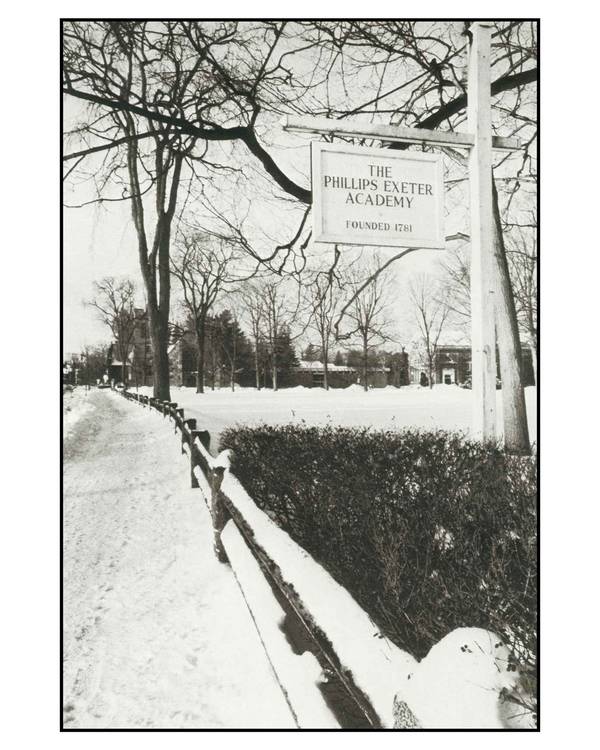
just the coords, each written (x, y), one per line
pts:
(483, 336)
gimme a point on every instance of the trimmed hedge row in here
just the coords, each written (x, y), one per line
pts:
(428, 531)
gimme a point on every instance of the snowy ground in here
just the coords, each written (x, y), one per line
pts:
(446, 407)
(76, 404)
(156, 633)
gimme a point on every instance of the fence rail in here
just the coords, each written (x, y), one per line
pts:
(332, 686)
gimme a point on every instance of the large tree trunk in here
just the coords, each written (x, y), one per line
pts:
(200, 372)
(160, 362)
(516, 434)
(533, 347)
(200, 340)
(157, 278)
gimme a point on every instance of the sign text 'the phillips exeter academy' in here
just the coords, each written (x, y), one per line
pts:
(373, 196)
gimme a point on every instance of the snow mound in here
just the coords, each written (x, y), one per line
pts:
(458, 684)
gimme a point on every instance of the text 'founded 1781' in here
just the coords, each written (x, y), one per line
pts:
(374, 196)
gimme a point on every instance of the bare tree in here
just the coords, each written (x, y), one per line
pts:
(274, 320)
(202, 265)
(278, 316)
(115, 303)
(253, 304)
(431, 314)
(324, 296)
(455, 285)
(369, 316)
(522, 259)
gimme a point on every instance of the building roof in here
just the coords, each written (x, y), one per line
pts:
(318, 367)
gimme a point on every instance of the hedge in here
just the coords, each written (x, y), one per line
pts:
(428, 531)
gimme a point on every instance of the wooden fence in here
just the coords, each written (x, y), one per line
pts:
(326, 683)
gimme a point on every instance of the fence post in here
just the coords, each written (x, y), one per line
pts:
(191, 425)
(218, 512)
(179, 416)
(194, 455)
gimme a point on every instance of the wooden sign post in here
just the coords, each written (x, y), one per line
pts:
(483, 331)
(480, 142)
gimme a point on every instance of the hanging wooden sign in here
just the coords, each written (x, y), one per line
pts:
(373, 196)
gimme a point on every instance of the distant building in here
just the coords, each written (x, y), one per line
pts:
(312, 375)
(453, 365)
(139, 361)
(183, 361)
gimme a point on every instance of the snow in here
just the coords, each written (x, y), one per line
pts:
(378, 667)
(156, 633)
(445, 407)
(299, 674)
(456, 686)
(76, 404)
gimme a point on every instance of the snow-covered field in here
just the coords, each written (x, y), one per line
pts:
(156, 633)
(446, 407)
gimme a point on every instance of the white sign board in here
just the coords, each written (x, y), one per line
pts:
(374, 196)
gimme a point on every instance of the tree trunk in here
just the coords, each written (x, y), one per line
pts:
(256, 364)
(159, 338)
(325, 365)
(200, 340)
(160, 365)
(516, 434)
(533, 347)
(200, 372)
(214, 363)
(365, 364)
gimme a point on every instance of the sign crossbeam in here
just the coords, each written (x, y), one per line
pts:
(392, 133)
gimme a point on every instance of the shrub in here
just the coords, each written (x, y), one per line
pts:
(428, 531)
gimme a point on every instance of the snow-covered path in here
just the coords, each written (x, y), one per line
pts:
(156, 633)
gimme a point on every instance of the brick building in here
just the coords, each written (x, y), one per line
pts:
(453, 365)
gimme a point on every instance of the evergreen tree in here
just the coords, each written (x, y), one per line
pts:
(312, 353)
(339, 358)
(286, 356)
(237, 355)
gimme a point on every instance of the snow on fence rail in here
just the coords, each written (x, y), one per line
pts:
(333, 665)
